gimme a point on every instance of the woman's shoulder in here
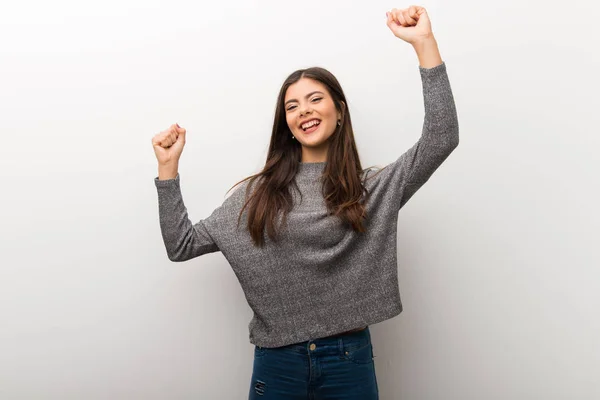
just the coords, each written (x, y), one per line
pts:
(371, 172)
(239, 189)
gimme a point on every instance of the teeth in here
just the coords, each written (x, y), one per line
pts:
(309, 124)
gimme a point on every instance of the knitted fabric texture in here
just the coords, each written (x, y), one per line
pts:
(321, 278)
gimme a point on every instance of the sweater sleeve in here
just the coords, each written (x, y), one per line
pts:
(403, 177)
(183, 240)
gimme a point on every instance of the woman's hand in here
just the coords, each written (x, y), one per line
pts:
(410, 24)
(168, 144)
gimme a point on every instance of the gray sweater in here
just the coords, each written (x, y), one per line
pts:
(320, 278)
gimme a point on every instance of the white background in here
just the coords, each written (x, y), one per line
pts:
(497, 254)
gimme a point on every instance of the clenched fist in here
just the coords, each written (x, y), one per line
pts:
(409, 24)
(168, 144)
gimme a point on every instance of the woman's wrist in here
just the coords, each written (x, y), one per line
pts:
(167, 171)
(427, 52)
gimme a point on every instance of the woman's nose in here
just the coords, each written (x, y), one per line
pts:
(303, 111)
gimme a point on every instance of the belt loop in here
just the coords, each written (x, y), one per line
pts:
(341, 346)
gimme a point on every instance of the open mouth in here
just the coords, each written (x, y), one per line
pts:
(311, 126)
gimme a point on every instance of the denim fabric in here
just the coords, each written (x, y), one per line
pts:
(339, 367)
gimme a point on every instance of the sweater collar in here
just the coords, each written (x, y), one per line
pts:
(311, 169)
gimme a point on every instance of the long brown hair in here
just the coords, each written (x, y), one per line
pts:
(342, 186)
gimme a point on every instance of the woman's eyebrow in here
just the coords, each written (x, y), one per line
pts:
(307, 96)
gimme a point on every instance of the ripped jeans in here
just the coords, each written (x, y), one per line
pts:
(339, 367)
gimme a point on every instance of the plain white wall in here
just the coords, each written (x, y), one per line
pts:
(498, 252)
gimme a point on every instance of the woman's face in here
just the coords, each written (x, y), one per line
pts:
(305, 101)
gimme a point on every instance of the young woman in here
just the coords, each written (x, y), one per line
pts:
(312, 237)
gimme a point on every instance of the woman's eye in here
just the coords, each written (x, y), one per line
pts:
(314, 99)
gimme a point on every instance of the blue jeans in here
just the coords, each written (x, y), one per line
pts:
(339, 367)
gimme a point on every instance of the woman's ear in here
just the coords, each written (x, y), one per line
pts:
(343, 107)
